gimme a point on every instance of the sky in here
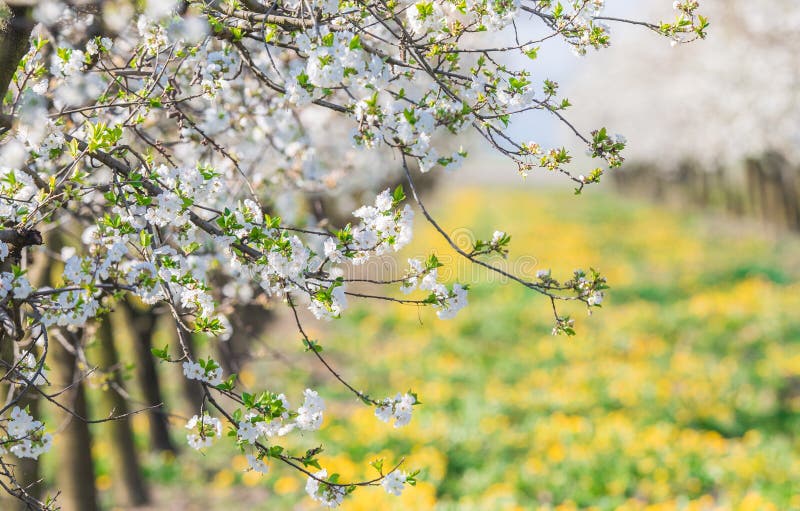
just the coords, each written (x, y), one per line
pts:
(556, 62)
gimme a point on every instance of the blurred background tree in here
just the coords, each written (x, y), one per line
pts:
(722, 128)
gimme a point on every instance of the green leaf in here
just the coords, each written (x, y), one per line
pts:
(312, 345)
(377, 465)
(162, 354)
(145, 238)
(228, 384)
(432, 262)
(398, 196)
(532, 53)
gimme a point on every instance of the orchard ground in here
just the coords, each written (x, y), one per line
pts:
(682, 392)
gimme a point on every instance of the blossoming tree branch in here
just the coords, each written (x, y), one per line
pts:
(144, 155)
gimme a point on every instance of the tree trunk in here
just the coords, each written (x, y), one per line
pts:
(143, 326)
(248, 322)
(14, 40)
(124, 456)
(27, 470)
(75, 475)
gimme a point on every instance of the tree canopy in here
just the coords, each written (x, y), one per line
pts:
(147, 153)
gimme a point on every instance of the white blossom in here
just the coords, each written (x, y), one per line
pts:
(25, 436)
(398, 408)
(327, 495)
(257, 465)
(248, 432)
(203, 430)
(211, 374)
(393, 482)
(309, 416)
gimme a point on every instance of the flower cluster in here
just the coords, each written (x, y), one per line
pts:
(309, 416)
(269, 416)
(203, 430)
(398, 408)
(425, 277)
(28, 367)
(25, 437)
(326, 494)
(384, 227)
(272, 419)
(14, 284)
(203, 370)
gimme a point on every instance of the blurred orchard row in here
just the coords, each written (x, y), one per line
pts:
(721, 129)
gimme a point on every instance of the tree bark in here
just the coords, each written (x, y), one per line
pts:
(14, 40)
(27, 470)
(143, 327)
(248, 322)
(124, 456)
(76, 478)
